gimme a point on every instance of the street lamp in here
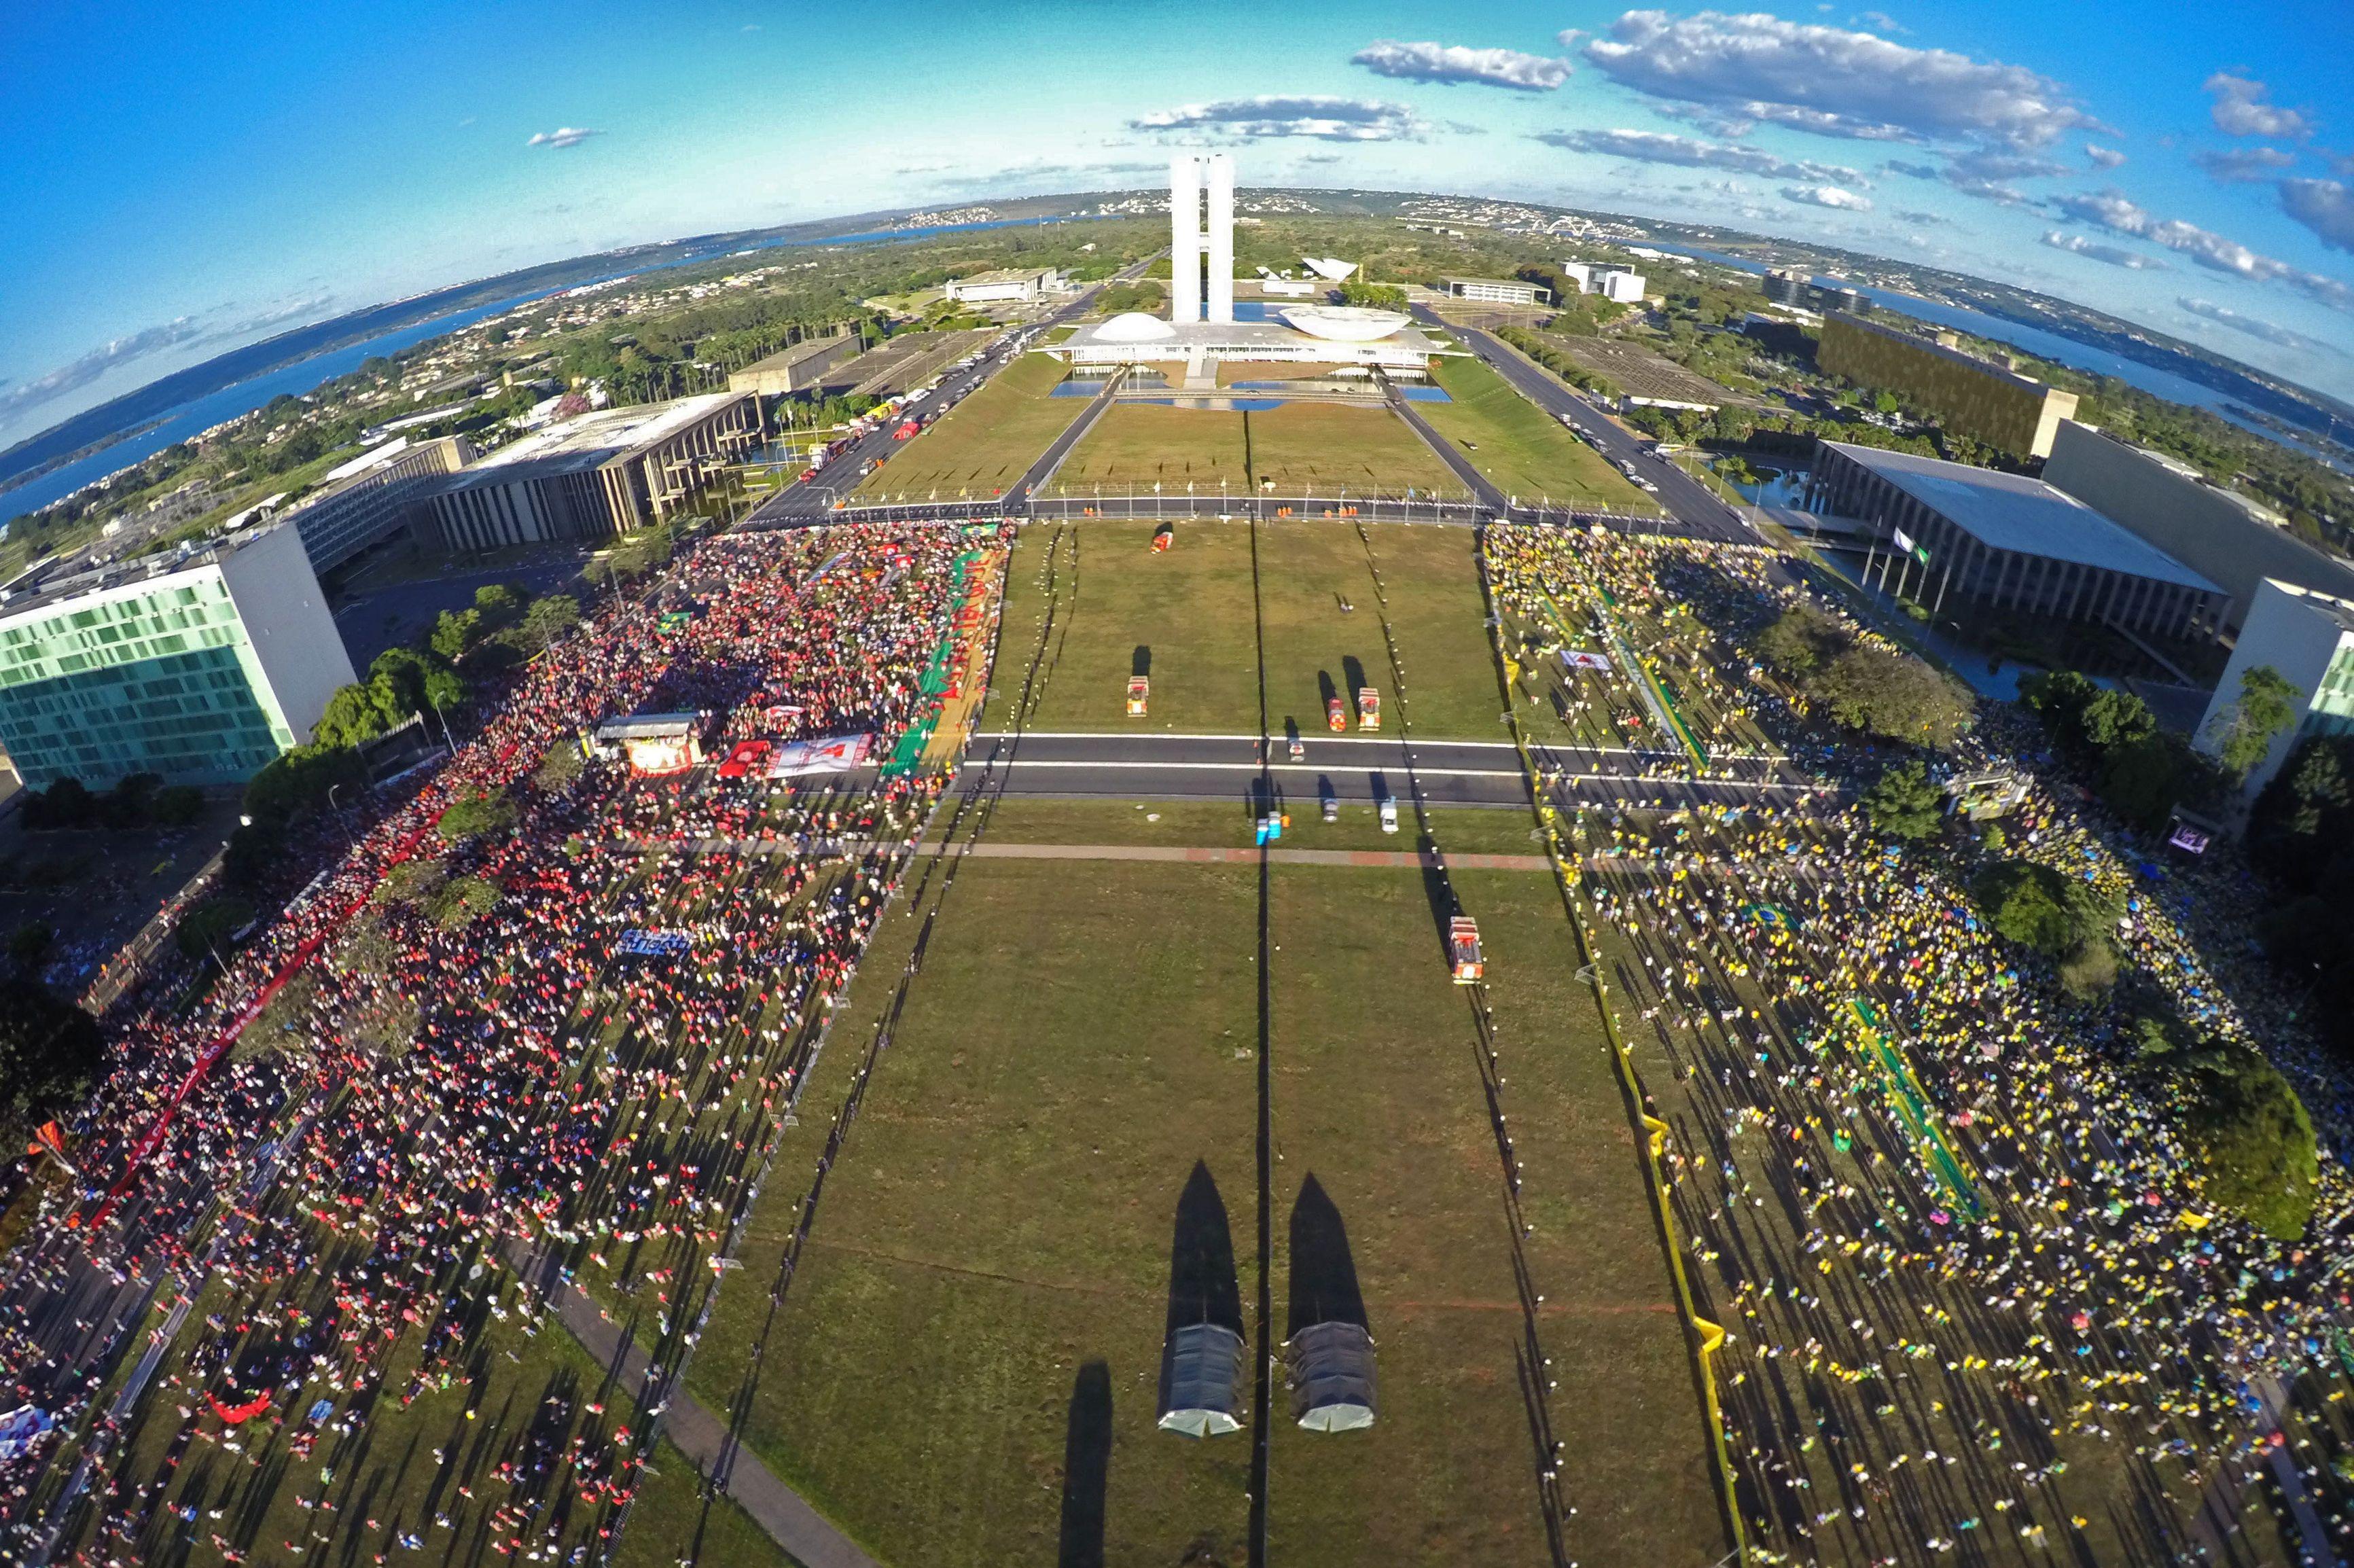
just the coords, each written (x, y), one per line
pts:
(338, 813)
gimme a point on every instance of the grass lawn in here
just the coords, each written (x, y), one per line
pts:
(1137, 445)
(1000, 1219)
(672, 1520)
(1379, 1097)
(981, 447)
(1324, 448)
(1521, 447)
(1189, 611)
(1321, 447)
(994, 1243)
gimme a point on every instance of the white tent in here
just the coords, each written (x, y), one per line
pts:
(1332, 1372)
(1201, 1369)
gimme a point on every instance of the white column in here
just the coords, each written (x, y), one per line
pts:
(1184, 238)
(1222, 238)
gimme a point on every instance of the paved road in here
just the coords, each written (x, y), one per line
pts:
(1697, 508)
(806, 502)
(1346, 768)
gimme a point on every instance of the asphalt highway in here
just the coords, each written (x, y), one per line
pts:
(1358, 769)
(808, 501)
(1697, 509)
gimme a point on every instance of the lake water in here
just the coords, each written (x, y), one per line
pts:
(307, 375)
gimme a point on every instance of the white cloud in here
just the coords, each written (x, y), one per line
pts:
(2241, 109)
(1828, 196)
(2253, 325)
(1841, 79)
(2243, 166)
(2114, 255)
(2111, 210)
(2103, 157)
(1455, 63)
(1660, 147)
(562, 136)
(89, 368)
(2324, 206)
(1881, 22)
(1325, 118)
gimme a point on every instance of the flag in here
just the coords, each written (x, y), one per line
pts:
(1904, 541)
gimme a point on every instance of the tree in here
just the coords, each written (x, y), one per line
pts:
(126, 805)
(67, 803)
(49, 1052)
(1801, 641)
(1903, 803)
(255, 850)
(2065, 919)
(550, 618)
(296, 780)
(2243, 733)
(498, 604)
(2144, 779)
(176, 807)
(482, 813)
(2255, 1142)
(2114, 718)
(455, 633)
(29, 946)
(1894, 695)
(208, 926)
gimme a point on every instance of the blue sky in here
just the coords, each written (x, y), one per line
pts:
(176, 179)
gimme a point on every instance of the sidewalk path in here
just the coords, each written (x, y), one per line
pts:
(806, 1534)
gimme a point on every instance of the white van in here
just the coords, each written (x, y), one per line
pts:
(1389, 813)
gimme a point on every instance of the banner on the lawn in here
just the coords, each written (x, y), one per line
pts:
(834, 754)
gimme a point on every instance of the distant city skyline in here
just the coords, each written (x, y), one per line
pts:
(182, 181)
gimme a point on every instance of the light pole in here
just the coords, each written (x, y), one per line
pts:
(338, 813)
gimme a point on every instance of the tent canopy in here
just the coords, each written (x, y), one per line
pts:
(1200, 1368)
(1331, 1371)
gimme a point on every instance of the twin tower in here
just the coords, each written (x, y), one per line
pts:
(1191, 176)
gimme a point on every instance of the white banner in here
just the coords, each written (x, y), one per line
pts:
(1903, 541)
(836, 754)
(1578, 658)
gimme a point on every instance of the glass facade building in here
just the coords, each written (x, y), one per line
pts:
(201, 670)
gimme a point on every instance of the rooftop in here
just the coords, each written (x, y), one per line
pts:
(595, 438)
(2012, 512)
(1004, 275)
(807, 348)
(136, 572)
(2338, 610)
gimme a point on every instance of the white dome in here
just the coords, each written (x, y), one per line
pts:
(1345, 323)
(1134, 326)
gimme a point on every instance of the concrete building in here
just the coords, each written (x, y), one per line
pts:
(1622, 284)
(1987, 402)
(1194, 242)
(594, 475)
(1019, 284)
(1496, 291)
(200, 667)
(794, 370)
(2309, 638)
(372, 498)
(2220, 534)
(1787, 286)
(1940, 530)
(1308, 334)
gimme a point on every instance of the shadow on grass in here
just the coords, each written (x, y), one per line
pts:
(1324, 1287)
(1202, 1284)
(1086, 1468)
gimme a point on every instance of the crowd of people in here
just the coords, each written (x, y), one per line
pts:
(1972, 1282)
(595, 1060)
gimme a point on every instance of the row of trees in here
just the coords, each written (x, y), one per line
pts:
(137, 800)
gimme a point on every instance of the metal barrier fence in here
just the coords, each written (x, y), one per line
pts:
(1146, 505)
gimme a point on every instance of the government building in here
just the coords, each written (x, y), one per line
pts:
(200, 667)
